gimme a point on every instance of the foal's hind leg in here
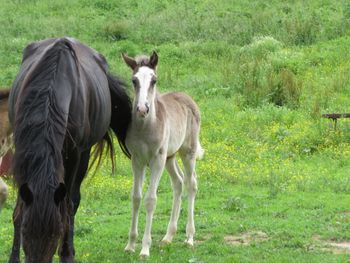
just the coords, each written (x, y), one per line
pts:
(189, 161)
(76, 168)
(176, 183)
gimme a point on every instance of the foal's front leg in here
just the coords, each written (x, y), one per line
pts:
(157, 166)
(139, 174)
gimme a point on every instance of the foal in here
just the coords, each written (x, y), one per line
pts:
(5, 144)
(162, 125)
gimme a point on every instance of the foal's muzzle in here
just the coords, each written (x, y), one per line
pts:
(143, 110)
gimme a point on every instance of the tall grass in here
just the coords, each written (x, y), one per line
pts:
(195, 35)
(264, 74)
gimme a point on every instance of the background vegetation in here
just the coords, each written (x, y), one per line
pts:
(262, 73)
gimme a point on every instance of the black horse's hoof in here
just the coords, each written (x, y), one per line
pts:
(68, 260)
(14, 260)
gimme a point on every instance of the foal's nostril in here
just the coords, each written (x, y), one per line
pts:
(147, 107)
(137, 108)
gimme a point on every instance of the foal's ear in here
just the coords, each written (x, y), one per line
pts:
(129, 61)
(153, 60)
(26, 194)
(60, 193)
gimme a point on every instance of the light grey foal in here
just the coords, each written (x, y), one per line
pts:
(162, 125)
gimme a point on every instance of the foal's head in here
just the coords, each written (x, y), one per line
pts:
(144, 79)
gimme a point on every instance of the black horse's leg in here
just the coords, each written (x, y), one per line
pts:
(67, 251)
(16, 246)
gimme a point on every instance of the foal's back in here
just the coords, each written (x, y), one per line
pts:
(183, 120)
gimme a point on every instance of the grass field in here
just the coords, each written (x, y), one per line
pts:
(275, 180)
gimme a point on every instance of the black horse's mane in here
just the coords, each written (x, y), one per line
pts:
(39, 131)
(39, 124)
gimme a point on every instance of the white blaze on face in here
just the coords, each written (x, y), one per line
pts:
(145, 75)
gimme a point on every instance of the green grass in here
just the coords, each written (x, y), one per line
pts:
(262, 73)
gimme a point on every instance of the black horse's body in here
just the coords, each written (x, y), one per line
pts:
(61, 104)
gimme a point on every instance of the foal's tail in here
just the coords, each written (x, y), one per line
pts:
(200, 151)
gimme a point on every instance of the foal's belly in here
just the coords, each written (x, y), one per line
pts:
(173, 147)
(176, 139)
(141, 151)
(144, 151)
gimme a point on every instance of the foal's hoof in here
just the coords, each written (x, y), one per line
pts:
(144, 257)
(129, 249)
(189, 242)
(164, 242)
(144, 254)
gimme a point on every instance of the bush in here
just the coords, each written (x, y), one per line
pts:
(265, 76)
(116, 30)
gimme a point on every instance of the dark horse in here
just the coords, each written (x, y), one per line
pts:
(62, 102)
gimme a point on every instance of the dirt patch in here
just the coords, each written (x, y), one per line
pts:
(345, 213)
(246, 238)
(333, 246)
(340, 247)
(203, 239)
(343, 216)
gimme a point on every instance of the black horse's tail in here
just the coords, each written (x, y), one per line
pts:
(121, 111)
(103, 146)
(120, 119)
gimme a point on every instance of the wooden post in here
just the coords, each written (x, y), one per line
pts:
(335, 117)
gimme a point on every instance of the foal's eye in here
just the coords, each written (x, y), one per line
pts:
(153, 81)
(134, 81)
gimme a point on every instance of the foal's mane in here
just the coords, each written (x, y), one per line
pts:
(142, 60)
